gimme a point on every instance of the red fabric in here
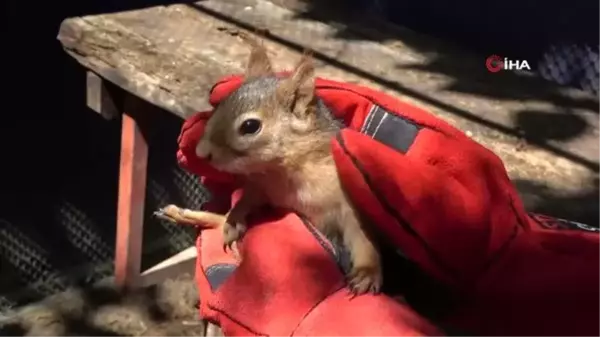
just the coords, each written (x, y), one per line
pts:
(449, 205)
(289, 285)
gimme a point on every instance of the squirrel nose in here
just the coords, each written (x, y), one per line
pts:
(208, 157)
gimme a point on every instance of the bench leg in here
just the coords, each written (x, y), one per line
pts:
(130, 213)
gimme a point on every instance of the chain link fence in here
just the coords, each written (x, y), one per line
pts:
(574, 65)
(34, 266)
(562, 42)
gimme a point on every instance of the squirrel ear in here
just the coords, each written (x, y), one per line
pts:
(297, 92)
(258, 63)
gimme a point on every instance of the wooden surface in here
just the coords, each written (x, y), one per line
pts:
(172, 55)
(100, 98)
(180, 263)
(132, 197)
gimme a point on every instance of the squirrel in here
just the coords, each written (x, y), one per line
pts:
(275, 133)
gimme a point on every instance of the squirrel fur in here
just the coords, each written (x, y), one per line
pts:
(275, 133)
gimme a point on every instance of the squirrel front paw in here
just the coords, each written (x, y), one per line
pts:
(233, 230)
(365, 278)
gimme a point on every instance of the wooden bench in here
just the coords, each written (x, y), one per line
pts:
(171, 56)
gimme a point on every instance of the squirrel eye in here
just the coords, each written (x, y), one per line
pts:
(250, 126)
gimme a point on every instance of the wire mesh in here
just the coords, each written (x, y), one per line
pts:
(574, 65)
(81, 250)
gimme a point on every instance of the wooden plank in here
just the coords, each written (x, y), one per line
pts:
(99, 97)
(213, 330)
(132, 192)
(172, 55)
(180, 263)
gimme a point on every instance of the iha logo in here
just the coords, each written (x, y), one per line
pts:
(496, 63)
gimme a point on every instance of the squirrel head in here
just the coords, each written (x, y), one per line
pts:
(268, 120)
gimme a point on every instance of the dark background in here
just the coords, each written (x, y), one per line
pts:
(60, 160)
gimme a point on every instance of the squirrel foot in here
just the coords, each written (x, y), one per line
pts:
(172, 213)
(363, 279)
(184, 216)
(233, 230)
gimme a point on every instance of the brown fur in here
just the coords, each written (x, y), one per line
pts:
(288, 162)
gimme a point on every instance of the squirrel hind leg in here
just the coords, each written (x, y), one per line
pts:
(366, 273)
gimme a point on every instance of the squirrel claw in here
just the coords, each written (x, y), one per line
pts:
(230, 236)
(228, 245)
(171, 213)
(160, 214)
(365, 280)
(232, 233)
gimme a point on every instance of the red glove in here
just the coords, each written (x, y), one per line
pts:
(448, 204)
(290, 280)
(287, 284)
